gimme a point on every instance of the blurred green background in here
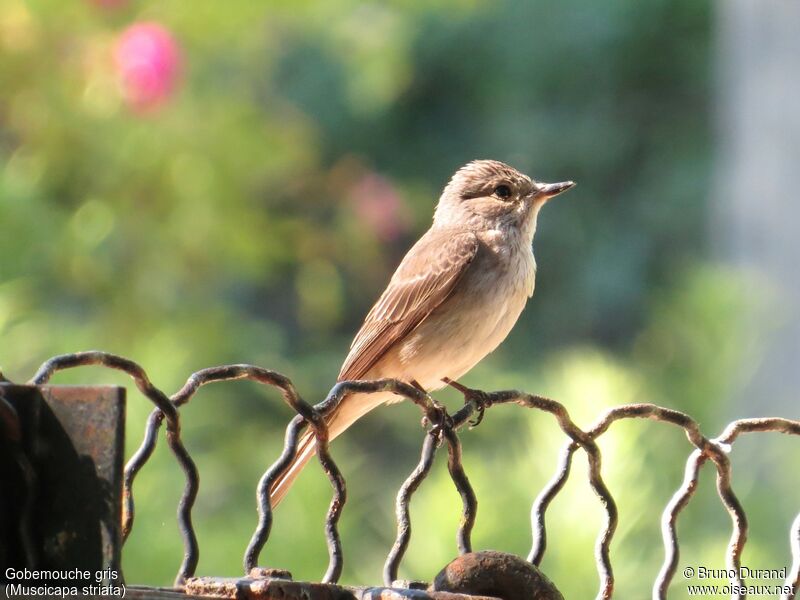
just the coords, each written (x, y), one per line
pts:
(235, 182)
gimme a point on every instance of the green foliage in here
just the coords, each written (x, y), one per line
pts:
(228, 225)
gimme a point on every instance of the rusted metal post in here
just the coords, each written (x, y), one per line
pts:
(62, 492)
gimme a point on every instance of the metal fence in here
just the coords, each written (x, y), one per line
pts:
(443, 431)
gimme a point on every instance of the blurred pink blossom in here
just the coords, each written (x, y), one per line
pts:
(380, 206)
(148, 61)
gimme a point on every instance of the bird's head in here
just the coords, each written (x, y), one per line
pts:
(491, 194)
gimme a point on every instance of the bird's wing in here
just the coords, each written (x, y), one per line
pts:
(425, 279)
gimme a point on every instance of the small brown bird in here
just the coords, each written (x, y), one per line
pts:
(453, 299)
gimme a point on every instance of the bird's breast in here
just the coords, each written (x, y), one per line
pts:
(511, 256)
(474, 320)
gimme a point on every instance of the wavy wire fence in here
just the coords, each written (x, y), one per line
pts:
(444, 429)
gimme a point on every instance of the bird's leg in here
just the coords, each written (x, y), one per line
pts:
(480, 399)
(442, 418)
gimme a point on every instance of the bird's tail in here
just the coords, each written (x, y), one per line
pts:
(349, 411)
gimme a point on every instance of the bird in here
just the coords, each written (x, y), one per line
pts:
(453, 299)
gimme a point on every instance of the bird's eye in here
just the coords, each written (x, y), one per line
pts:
(503, 192)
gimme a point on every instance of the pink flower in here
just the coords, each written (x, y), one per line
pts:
(379, 206)
(148, 61)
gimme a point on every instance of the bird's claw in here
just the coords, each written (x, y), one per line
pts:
(439, 419)
(481, 400)
(480, 409)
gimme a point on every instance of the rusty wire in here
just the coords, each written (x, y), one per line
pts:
(170, 412)
(320, 411)
(402, 511)
(443, 429)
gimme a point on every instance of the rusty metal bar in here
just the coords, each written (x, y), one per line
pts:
(468, 500)
(713, 449)
(585, 441)
(717, 450)
(544, 499)
(669, 519)
(64, 496)
(11, 434)
(264, 527)
(444, 428)
(254, 586)
(402, 510)
(336, 557)
(316, 416)
(290, 395)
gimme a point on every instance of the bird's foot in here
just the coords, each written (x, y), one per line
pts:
(442, 421)
(481, 400)
(438, 420)
(443, 418)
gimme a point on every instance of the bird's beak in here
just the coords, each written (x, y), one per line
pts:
(549, 190)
